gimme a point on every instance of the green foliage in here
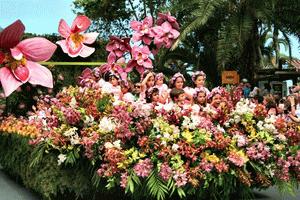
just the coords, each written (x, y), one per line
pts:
(156, 186)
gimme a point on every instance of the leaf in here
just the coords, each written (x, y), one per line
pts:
(156, 187)
(181, 192)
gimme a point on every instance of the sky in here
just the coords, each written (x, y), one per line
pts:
(42, 16)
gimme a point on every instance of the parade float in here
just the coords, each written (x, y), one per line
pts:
(85, 143)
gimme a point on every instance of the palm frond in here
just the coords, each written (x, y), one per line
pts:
(203, 12)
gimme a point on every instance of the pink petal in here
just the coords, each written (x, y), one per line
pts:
(175, 33)
(140, 69)
(135, 25)
(16, 53)
(21, 73)
(73, 48)
(39, 75)
(147, 40)
(110, 46)
(130, 66)
(90, 38)
(111, 58)
(118, 53)
(63, 45)
(64, 29)
(137, 37)
(86, 51)
(37, 49)
(148, 64)
(149, 21)
(11, 35)
(166, 27)
(81, 23)
(8, 81)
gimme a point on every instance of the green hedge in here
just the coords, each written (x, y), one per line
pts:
(46, 178)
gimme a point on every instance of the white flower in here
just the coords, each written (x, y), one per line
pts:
(106, 125)
(73, 102)
(89, 119)
(175, 147)
(117, 144)
(71, 132)
(108, 145)
(61, 158)
(164, 143)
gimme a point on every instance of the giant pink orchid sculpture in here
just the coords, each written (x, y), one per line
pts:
(142, 30)
(18, 60)
(74, 41)
(140, 59)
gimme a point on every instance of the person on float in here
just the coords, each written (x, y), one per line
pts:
(148, 79)
(152, 96)
(162, 87)
(177, 82)
(200, 101)
(110, 84)
(199, 78)
(126, 89)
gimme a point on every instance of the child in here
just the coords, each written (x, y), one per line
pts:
(152, 96)
(177, 82)
(178, 97)
(126, 88)
(199, 78)
(146, 83)
(199, 101)
(163, 88)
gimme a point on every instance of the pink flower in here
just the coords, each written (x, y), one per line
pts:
(165, 171)
(142, 30)
(167, 17)
(143, 168)
(180, 178)
(19, 59)
(117, 47)
(74, 41)
(140, 59)
(164, 35)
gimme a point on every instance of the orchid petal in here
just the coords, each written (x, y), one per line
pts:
(21, 73)
(16, 53)
(11, 35)
(64, 29)
(37, 49)
(111, 57)
(80, 24)
(86, 51)
(39, 75)
(90, 38)
(8, 81)
(135, 25)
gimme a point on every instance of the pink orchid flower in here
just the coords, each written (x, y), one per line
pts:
(116, 68)
(167, 17)
(140, 59)
(164, 35)
(74, 41)
(142, 30)
(19, 59)
(117, 47)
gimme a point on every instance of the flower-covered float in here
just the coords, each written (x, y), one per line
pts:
(155, 151)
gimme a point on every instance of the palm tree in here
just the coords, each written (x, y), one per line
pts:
(239, 33)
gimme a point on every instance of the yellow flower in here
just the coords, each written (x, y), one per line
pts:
(213, 158)
(188, 136)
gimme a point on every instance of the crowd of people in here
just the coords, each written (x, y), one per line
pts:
(153, 91)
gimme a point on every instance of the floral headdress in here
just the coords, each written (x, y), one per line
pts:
(177, 75)
(150, 91)
(216, 90)
(198, 73)
(198, 90)
(159, 76)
